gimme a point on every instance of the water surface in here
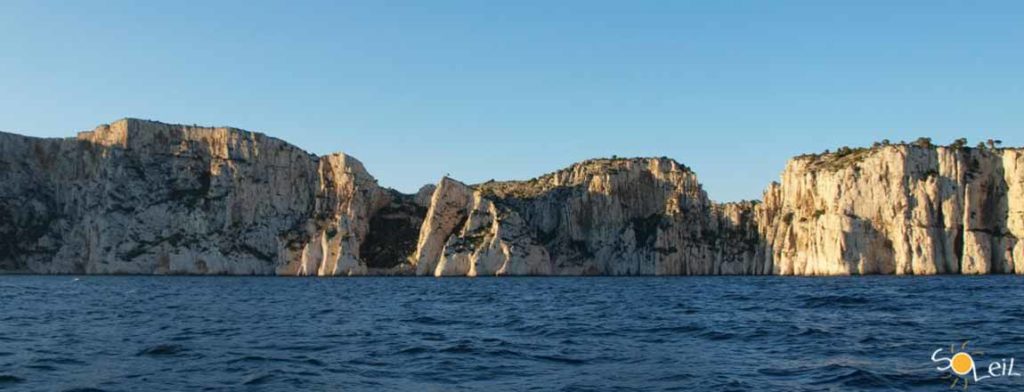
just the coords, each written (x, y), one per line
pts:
(643, 334)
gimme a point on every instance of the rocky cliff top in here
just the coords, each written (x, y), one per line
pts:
(844, 157)
(158, 137)
(579, 173)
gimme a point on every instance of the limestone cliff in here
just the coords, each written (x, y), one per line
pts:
(144, 197)
(898, 209)
(599, 217)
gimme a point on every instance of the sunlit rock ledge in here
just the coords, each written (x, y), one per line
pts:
(144, 197)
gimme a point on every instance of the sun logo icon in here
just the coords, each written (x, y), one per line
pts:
(961, 365)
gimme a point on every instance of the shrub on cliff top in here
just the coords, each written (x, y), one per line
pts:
(843, 157)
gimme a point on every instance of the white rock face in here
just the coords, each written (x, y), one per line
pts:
(346, 198)
(612, 217)
(899, 209)
(142, 197)
(492, 242)
(447, 209)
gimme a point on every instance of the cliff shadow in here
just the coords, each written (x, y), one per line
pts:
(866, 250)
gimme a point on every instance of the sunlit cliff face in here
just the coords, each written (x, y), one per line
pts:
(144, 197)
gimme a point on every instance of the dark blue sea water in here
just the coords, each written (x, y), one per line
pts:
(687, 333)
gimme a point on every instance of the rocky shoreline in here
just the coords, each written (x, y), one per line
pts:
(143, 197)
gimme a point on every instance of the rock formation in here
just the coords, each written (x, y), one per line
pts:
(143, 197)
(897, 209)
(599, 217)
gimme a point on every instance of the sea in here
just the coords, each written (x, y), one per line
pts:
(175, 333)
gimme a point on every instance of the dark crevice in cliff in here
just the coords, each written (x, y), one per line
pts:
(393, 231)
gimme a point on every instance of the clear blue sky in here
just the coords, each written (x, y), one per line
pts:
(511, 90)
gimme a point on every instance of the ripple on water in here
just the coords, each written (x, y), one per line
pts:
(560, 359)
(814, 333)
(427, 320)
(849, 376)
(717, 335)
(10, 379)
(258, 379)
(459, 348)
(835, 301)
(668, 329)
(162, 350)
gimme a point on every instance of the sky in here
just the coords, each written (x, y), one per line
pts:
(515, 89)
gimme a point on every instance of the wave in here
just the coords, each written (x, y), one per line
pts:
(258, 379)
(459, 348)
(9, 379)
(853, 377)
(686, 328)
(560, 359)
(427, 320)
(717, 335)
(832, 301)
(162, 350)
(812, 332)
